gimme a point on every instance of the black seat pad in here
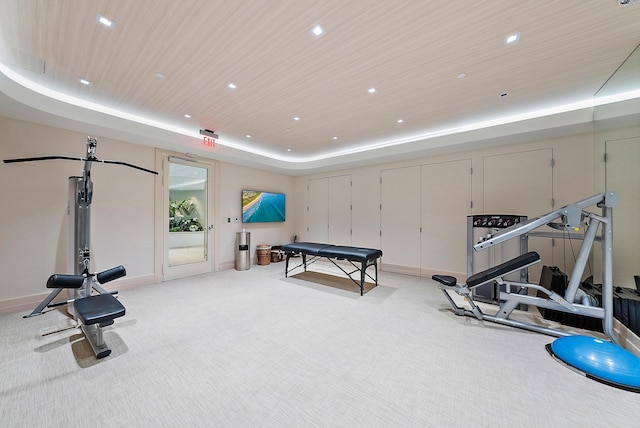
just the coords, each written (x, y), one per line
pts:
(98, 309)
(445, 279)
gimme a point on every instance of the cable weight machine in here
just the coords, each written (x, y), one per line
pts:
(93, 311)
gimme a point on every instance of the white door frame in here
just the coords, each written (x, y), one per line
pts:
(162, 271)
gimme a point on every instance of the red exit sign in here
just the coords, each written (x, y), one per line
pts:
(209, 137)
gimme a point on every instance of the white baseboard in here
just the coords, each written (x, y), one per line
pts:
(428, 273)
(28, 303)
(416, 271)
(227, 265)
(406, 270)
(130, 283)
(627, 338)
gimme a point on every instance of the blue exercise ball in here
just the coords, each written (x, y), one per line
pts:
(599, 359)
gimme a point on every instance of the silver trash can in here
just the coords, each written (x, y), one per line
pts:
(243, 242)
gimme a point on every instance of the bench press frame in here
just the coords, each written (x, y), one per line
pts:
(570, 218)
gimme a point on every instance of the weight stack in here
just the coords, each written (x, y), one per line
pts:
(626, 308)
(552, 278)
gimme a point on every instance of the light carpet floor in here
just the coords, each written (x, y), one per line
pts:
(255, 349)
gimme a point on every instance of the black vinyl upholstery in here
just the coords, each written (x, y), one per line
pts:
(310, 248)
(101, 309)
(350, 253)
(503, 269)
(365, 256)
(355, 254)
(65, 281)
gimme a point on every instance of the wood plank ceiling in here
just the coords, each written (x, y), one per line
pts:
(411, 51)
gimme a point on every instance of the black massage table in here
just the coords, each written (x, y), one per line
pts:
(364, 256)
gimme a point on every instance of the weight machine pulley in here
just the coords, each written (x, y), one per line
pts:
(92, 311)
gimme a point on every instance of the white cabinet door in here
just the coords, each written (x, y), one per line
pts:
(400, 220)
(623, 177)
(521, 183)
(446, 203)
(329, 210)
(318, 211)
(340, 210)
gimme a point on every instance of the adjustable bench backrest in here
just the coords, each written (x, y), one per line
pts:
(503, 269)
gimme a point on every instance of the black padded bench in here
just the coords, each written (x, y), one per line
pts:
(493, 272)
(93, 311)
(96, 312)
(366, 257)
(101, 309)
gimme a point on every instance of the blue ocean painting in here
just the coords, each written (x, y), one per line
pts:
(267, 207)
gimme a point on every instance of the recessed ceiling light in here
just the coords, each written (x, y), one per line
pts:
(372, 90)
(461, 75)
(105, 21)
(85, 82)
(317, 31)
(335, 138)
(511, 38)
(248, 135)
(296, 118)
(159, 75)
(288, 150)
(400, 120)
(232, 86)
(188, 116)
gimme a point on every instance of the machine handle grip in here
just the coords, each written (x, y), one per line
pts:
(41, 158)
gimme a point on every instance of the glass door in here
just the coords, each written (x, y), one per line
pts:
(188, 219)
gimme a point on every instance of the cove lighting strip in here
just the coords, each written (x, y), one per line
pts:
(234, 144)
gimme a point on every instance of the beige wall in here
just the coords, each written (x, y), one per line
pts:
(34, 196)
(33, 226)
(232, 179)
(572, 181)
(611, 176)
